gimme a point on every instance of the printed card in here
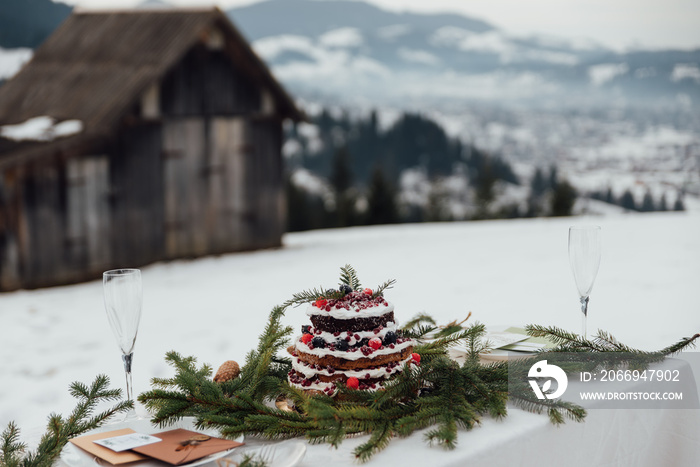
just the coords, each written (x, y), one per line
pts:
(128, 441)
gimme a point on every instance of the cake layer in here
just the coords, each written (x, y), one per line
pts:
(353, 337)
(354, 359)
(352, 306)
(329, 324)
(329, 373)
(300, 379)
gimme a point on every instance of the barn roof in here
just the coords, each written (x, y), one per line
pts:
(97, 63)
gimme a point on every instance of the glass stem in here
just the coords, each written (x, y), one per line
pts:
(127, 369)
(584, 311)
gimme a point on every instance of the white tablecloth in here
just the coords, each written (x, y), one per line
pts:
(608, 437)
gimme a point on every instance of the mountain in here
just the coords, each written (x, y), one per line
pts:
(351, 48)
(26, 23)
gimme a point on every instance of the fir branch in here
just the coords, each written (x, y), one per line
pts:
(348, 276)
(562, 337)
(421, 318)
(307, 296)
(60, 430)
(379, 291)
(683, 344)
(11, 449)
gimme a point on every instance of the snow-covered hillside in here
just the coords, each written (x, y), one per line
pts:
(504, 272)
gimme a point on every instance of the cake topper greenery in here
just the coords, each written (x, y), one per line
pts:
(438, 394)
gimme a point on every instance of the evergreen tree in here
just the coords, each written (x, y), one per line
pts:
(341, 179)
(485, 191)
(663, 204)
(553, 178)
(305, 211)
(538, 185)
(382, 200)
(609, 196)
(679, 205)
(297, 209)
(563, 199)
(648, 203)
(627, 201)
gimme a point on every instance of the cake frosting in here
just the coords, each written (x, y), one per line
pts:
(353, 339)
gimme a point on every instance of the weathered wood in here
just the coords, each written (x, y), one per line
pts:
(180, 155)
(136, 178)
(183, 145)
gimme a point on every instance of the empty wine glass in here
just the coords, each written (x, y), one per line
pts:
(584, 258)
(123, 296)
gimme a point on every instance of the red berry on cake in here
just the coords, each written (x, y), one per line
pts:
(306, 338)
(368, 291)
(353, 383)
(321, 303)
(415, 357)
(376, 343)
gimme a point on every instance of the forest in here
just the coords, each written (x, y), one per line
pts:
(410, 171)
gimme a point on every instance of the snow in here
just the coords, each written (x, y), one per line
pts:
(342, 37)
(328, 58)
(504, 272)
(11, 60)
(418, 56)
(41, 129)
(685, 71)
(601, 74)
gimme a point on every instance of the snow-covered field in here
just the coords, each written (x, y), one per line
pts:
(504, 272)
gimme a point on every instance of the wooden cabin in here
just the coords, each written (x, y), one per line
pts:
(159, 138)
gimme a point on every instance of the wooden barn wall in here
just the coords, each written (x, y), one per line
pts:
(184, 188)
(205, 82)
(267, 195)
(136, 179)
(223, 187)
(55, 222)
(204, 177)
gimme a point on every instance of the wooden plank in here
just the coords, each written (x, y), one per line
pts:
(184, 204)
(137, 181)
(9, 248)
(97, 214)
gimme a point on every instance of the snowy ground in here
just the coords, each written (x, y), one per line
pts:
(504, 272)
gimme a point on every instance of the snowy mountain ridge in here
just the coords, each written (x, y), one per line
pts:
(349, 47)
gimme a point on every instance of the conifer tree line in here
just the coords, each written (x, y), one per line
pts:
(647, 204)
(363, 165)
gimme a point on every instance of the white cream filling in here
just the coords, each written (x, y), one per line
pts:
(356, 355)
(320, 386)
(331, 338)
(379, 372)
(352, 313)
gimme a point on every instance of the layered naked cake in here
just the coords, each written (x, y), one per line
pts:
(353, 338)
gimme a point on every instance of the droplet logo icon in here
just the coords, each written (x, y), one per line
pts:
(552, 372)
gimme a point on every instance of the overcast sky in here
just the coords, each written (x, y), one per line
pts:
(622, 24)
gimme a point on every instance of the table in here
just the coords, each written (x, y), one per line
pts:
(621, 437)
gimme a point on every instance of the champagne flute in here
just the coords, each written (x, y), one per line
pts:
(584, 258)
(123, 296)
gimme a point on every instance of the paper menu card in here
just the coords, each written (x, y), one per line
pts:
(175, 450)
(126, 442)
(116, 458)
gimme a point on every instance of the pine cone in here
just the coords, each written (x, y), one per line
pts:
(227, 371)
